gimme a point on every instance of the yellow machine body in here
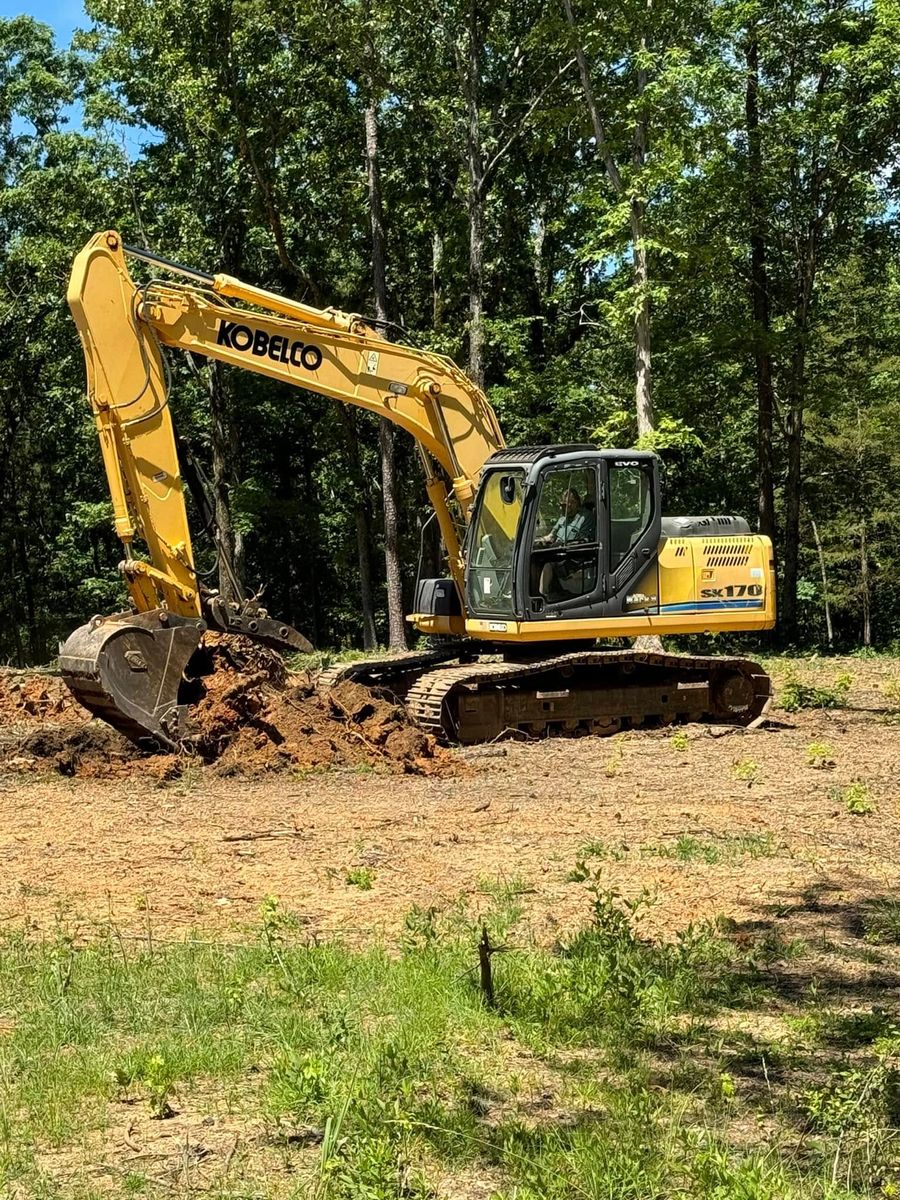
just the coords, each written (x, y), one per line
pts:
(719, 585)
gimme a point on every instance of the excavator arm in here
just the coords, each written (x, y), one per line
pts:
(123, 327)
(129, 668)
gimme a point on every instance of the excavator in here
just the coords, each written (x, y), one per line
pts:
(549, 548)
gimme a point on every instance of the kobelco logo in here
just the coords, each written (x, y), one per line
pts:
(278, 348)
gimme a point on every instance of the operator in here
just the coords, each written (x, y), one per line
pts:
(570, 526)
(574, 525)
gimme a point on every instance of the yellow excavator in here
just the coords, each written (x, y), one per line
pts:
(549, 548)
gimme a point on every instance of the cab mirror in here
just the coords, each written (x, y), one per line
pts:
(507, 488)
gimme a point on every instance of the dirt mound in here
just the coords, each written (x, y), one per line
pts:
(256, 716)
(28, 696)
(252, 716)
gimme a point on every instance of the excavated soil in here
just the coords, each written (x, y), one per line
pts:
(254, 716)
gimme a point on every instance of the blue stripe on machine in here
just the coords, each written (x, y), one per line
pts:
(699, 605)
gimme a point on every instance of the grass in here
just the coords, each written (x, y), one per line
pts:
(321, 660)
(715, 850)
(382, 1073)
(361, 877)
(882, 921)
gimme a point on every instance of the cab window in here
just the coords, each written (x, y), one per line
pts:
(630, 507)
(564, 549)
(489, 578)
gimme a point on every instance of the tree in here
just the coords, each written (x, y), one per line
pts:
(371, 93)
(828, 93)
(56, 547)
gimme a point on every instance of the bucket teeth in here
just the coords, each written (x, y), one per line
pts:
(127, 669)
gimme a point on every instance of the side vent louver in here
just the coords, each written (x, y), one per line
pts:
(727, 554)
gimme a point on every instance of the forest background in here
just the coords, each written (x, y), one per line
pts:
(671, 223)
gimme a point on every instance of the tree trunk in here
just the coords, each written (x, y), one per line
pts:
(759, 294)
(792, 497)
(637, 217)
(363, 525)
(437, 279)
(539, 275)
(224, 446)
(643, 396)
(396, 623)
(476, 288)
(865, 588)
(476, 199)
(829, 630)
(35, 654)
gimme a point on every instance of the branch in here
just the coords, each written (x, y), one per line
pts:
(523, 121)
(603, 149)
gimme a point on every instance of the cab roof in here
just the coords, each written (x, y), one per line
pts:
(528, 455)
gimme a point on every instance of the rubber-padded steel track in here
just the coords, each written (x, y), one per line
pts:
(396, 672)
(595, 691)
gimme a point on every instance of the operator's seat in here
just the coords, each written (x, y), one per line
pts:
(589, 528)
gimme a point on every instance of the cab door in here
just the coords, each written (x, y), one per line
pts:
(633, 522)
(563, 569)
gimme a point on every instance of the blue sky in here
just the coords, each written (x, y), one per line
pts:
(62, 15)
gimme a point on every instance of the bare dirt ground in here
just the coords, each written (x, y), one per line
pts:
(771, 837)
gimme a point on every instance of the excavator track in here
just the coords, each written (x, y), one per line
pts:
(397, 672)
(596, 691)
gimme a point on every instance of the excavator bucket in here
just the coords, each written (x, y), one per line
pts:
(128, 670)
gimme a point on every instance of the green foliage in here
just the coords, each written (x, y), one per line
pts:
(237, 144)
(595, 849)
(746, 770)
(819, 755)
(795, 694)
(379, 1072)
(855, 1101)
(855, 797)
(361, 877)
(882, 921)
(691, 849)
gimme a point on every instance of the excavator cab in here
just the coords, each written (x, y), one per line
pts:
(563, 532)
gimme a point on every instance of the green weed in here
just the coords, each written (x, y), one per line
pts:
(746, 770)
(891, 691)
(613, 764)
(599, 850)
(380, 1073)
(855, 798)
(679, 741)
(795, 695)
(881, 919)
(854, 1101)
(361, 877)
(691, 849)
(819, 755)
